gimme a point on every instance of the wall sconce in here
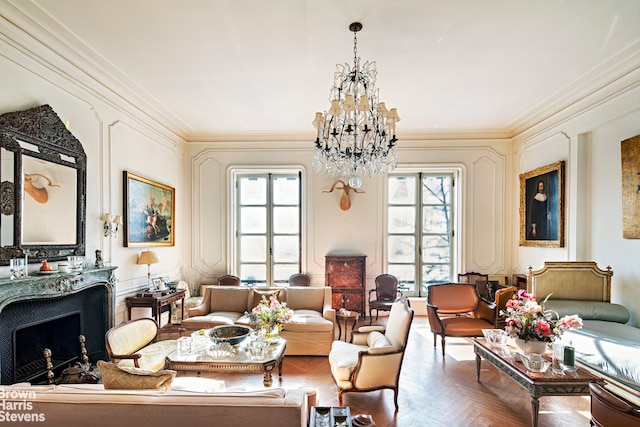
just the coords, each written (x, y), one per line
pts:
(111, 225)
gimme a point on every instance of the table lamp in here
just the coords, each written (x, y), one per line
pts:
(148, 257)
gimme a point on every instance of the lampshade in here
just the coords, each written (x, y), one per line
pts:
(148, 257)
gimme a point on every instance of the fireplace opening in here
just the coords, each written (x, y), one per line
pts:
(59, 334)
(29, 326)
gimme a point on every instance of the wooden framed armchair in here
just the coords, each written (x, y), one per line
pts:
(299, 279)
(386, 292)
(372, 361)
(228, 280)
(456, 310)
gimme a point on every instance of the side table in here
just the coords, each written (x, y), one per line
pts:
(346, 316)
(156, 301)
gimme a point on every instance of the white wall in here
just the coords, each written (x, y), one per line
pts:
(588, 137)
(115, 137)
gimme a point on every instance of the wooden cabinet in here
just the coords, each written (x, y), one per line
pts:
(347, 277)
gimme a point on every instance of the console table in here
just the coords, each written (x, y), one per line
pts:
(156, 301)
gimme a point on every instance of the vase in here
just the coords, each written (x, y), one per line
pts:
(271, 333)
(531, 346)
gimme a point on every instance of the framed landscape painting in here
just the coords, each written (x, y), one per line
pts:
(542, 206)
(149, 209)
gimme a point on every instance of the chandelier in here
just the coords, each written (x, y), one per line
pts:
(356, 137)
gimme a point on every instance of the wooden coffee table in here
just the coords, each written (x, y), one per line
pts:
(537, 384)
(200, 361)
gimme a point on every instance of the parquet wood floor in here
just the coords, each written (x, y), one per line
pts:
(433, 391)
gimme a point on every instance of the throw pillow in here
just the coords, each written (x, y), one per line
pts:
(115, 377)
(258, 294)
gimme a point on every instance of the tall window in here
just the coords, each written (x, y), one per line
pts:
(268, 237)
(420, 244)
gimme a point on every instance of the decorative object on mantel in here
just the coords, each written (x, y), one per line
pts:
(356, 137)
(99, 263)
(111, 224)
(345, 201)
(148, 257)
(532, 326)
(630, 155)
(45, 267)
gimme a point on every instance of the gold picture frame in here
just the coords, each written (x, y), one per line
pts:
(630, 156)
(542, 206)
(149, 212)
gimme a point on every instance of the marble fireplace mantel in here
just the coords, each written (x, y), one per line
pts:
(57, 285)
(41, 299)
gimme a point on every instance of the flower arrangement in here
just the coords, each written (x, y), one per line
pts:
(270, 313)
(529, 321)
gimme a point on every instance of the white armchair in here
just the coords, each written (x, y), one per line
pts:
(372, 361)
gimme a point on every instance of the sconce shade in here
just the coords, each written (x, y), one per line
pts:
(117, 219)
(148, 257)
(106, 217)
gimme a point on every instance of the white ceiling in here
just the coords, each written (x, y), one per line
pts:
(218, 68)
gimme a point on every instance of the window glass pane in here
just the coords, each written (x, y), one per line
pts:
(435, 219)
(253, 190)
(285, 249)
(282, 272)
(253, 220)
(402, 219)
(406, 274)
(436, 190)
(285, 220)
(253, 274)
(402, 190)
(286, 190)
(435, 249)
(435, 273)
(253, 249)
(401, 249)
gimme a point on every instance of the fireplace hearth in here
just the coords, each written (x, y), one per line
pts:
(51, 312)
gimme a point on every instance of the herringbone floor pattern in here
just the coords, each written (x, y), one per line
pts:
(433, 391)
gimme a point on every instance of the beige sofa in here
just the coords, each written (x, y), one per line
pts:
(310, 331)
(92, 405)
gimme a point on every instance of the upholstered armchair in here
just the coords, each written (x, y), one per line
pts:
(502, 295)
(386, 292)
(134, 344)
(372, 361)
(456, 310)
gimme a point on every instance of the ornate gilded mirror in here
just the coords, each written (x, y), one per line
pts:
(43, 174)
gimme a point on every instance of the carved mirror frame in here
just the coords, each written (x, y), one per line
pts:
(39, 134)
